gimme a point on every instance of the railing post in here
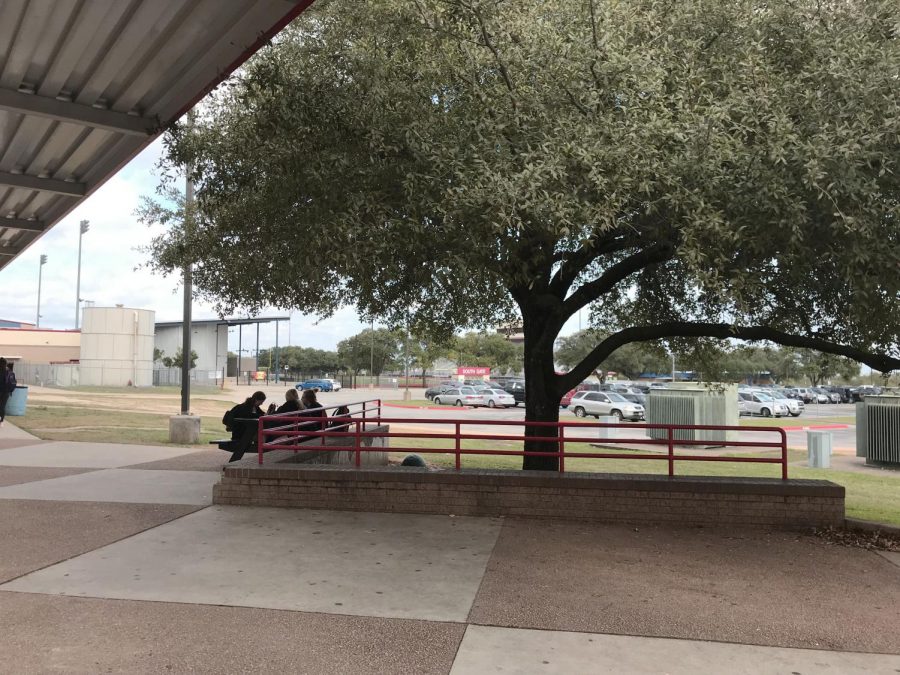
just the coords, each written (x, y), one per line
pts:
(260, 438)
(358, 446)
(562, 448)
(364, 411)
(458, 446)
(784, 455)
(671, 439)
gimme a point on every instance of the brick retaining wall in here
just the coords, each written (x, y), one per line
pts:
(623, 498)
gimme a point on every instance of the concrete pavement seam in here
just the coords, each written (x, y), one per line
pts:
(110, 543)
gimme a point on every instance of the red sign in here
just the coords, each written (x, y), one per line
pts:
(473, 370)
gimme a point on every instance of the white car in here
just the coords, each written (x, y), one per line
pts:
(335, 384)
(493, 398)
(758, 403)
(610, 403)
(795, 406)
(458, 396)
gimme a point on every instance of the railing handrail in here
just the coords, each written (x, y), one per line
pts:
(295, 419)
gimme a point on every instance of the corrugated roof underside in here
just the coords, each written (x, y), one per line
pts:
(149, 59)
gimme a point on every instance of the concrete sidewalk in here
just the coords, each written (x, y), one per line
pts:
(113, 562)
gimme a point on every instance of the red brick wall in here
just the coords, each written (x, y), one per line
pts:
(600, 497)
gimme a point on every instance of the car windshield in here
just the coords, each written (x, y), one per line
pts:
(613, 396)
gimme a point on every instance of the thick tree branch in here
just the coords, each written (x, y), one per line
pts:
(617, 273)
(575, 262)
(722, 331)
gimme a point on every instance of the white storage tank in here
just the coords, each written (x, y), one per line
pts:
(117, 347)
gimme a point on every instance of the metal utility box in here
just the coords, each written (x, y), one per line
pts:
(818, 446)
(702, 403)
(878, 430)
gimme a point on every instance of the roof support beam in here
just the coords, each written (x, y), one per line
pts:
(75, 113)
(9, 251)
(62, 187)
(22, 224)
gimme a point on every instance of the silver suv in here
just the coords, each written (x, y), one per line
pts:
(610, 403)
(758, 403)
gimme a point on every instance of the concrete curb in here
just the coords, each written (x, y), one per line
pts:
(871, 526)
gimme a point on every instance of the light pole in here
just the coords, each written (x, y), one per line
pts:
(372, 357)
(406, 395)
(84, 227)
(37, 323)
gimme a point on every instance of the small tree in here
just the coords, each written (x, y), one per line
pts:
(373, 352)
(178, 360)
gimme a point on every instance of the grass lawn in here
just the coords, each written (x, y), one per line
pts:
(73, 423)
(870, 497)
(195, 389)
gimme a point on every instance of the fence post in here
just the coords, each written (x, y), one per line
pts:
(357, 447)
(457, 446)
(260, 439)
(562, 449)
(669, 433)
(784, 455)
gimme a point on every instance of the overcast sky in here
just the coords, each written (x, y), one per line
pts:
(111, 274)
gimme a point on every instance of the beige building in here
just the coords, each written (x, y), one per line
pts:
(39, 345)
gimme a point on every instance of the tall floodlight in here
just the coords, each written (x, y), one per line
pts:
(85, 226)
(43, 262)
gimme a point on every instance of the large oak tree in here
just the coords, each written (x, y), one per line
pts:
(700, 168)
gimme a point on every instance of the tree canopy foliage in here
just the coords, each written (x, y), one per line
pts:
(704, 168)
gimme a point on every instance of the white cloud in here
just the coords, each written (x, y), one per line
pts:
(110, 274)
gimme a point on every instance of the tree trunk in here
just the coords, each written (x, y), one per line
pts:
(541, 394)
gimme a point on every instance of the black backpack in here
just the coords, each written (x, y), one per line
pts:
(10, 381)
(228, 418)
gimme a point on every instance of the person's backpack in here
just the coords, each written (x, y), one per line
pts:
(228, 418)
(10, 381)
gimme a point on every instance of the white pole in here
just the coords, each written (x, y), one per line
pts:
(83, 227)
(43, 261)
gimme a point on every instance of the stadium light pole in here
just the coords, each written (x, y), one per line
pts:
(84, 226)
(43, 261)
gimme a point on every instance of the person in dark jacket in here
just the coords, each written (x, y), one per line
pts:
(4, 388)
(291, 403)
(238, 422)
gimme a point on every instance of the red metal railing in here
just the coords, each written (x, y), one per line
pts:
(359, 425)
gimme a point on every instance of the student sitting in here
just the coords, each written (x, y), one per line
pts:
(239, 422)
(291, 403)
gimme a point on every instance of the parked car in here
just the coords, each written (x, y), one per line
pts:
(758, 403)
(517, 389)
(431, 392)
(822, 396)
(599, 403)
(321, 385)
(742, 407)
(458, 396)
(335, 384)
(807, 395)
(640, 399)
(493, 398)
(795, 406)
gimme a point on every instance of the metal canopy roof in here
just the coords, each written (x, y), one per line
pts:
(223, 322)
(85, 85)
